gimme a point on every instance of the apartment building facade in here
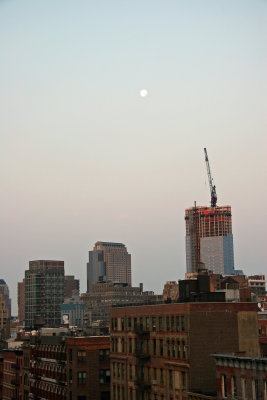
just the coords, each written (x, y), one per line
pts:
(88, 371)
(164, 351)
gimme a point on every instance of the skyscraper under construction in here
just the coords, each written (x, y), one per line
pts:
(209, 237)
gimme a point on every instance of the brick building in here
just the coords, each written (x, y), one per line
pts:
(164, 351)
(1, 374)
(70, 284)
(170, 291)
(88, 372)
(48, 367)
(26, 371)
(12, 375)
(257, 284)
(240, 377)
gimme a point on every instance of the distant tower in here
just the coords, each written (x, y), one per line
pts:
(70, 284)
(21, 301)
(44, 292)
(209, 239)
(108, 262)
(5, 292)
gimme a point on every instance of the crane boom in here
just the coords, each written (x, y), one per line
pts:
(213, 193)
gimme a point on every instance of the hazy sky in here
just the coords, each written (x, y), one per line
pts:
(84, 158)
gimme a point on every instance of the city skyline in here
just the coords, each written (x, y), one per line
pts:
(85, 158)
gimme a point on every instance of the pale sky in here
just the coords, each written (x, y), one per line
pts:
(84, 158)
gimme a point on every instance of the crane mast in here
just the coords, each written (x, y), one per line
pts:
(213, 193)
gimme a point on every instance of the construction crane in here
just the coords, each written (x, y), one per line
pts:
(213, 193)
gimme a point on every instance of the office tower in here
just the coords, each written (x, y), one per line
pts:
(21, 301)
(108, 262)
(209, 239)
(5, 292)
(70, 284)
(44, 292)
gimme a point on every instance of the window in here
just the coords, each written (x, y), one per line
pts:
(168, 348)
(178, 349)
(122, 324)
(154, 324)
(104, 376)
(81, 355)
(184, 349)
(170, 378)
(129, 324)
(103, 355)
(183, 323)
(233, 384)
(81, 398)
(147, 323)
(70, 375)
(255, 389)
(172, 323)
(173, 348)
(244, 388)
(81, 377)
(167, 323)
(70, 355)
(224, 388)
(154, 347)
(130, 346)
(183, 380)
(160, 323)
(161, 347)
(130, 372)
(161, 376)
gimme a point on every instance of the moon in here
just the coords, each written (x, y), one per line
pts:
(143, 93)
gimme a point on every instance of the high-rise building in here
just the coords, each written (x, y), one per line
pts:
(5, 292)
(44, 292)
(4, 319)
(108, 262)
(209, 239)
(21, 301)
(70, 284)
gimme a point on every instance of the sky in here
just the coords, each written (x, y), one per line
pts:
(84, 158)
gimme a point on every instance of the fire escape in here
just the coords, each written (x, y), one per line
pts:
(142, 359)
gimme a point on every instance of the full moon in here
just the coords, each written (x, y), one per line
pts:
(143, 93)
